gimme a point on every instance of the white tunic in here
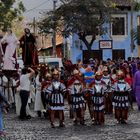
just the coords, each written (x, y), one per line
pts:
(9, 60)
(25, 82)
(38, 102)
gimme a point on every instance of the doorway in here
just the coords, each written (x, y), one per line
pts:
(117, 54)
(94, 54)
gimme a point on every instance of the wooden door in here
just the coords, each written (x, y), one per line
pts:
(117, 54)
(94, 54)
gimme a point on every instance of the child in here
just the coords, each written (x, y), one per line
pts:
(97, 91)
(56, 92)
(108, 91)
(121, 98)
(77, 101)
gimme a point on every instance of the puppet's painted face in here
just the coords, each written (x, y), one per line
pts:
(27, 31)
(9, 31)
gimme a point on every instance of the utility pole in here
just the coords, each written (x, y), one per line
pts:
(54, 30)
(132, 41)
(34, 26)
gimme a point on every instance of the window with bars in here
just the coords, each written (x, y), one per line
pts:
(119, 25)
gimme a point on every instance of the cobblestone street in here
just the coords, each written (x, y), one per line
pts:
(39, 129)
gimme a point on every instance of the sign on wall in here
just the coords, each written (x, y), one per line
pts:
(105, 44)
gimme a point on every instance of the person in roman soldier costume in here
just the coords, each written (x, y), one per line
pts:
(97, 91)
(77, 103)
(29, 50)
(136, 85)
(46, 82)
(56, 92)
(108, 90)
(121, 98)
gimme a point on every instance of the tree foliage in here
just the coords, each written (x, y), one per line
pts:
(9, 11)
(84, 17)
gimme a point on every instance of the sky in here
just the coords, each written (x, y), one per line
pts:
(35, 7)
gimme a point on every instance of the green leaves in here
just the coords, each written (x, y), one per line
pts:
(76, 15)
(9, 12)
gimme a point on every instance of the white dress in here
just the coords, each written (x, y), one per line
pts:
(9, 60)
(38, 102)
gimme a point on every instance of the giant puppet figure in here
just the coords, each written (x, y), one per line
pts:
(9, 44)
(29, 52)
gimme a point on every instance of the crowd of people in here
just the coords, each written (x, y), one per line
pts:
(9, 81)
(101, 87)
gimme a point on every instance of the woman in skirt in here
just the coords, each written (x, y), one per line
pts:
(77, 102)
(121, 98)
(97, 91)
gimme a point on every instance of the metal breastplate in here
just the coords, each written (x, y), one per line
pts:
(56, 87)
(77, 88)
(107, 81)
(122, 87)
(98, 88)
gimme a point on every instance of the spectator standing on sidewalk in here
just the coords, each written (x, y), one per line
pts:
(4, 105)
(136, 85)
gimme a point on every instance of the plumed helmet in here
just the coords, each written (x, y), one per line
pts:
(48, 75)
(105, 68)
(75, 71)
(120, 73)
(98, 73)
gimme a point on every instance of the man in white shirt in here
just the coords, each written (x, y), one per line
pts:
(27, 74)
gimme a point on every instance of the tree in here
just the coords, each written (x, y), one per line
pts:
(9, 11)
(84, 17)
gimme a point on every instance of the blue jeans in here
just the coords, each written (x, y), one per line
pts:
(1, 120)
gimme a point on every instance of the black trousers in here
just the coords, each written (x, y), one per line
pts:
(24, 95)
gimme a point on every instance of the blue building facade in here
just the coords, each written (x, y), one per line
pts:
(116, 43)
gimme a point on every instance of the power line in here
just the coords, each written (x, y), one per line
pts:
(36, 7)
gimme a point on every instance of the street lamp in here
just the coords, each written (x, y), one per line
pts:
(132, 41)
